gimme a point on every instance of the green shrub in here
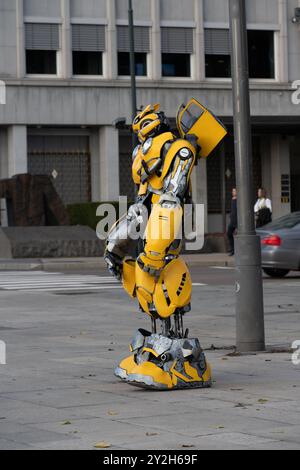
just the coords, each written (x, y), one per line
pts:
(85, 214)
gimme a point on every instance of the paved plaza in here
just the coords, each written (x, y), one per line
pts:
(64, 335)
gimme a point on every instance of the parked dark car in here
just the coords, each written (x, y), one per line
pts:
(280, 241)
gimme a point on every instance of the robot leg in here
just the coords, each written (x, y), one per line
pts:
(168, 360)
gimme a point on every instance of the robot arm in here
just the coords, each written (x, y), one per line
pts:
(123, 238)
(165, 222)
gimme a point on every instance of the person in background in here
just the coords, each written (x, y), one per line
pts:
(233, 225)
(263, 209)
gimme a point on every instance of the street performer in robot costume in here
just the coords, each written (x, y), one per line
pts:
(156, 274)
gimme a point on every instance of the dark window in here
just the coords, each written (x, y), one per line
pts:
(261, 58)
(176, 65)
(261, 54)
(218, 66)
(87, 63)
(140, 64)
(190, 117)
(41, 62)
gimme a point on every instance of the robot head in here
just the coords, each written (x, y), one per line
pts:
(149, 123)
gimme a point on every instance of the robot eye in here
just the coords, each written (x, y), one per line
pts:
(145, 124)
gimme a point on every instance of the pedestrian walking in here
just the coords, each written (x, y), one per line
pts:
(233, 225)
(263, 209)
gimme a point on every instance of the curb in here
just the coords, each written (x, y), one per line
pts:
(83, 264)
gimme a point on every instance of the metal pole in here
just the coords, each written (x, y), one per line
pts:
(132, 66)
(249, 300)
(223, 186)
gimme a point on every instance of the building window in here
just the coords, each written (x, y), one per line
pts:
(87, 63)
(177, 45)
(176, 65)
(261, 54)
(41, 62)
(260, 51)
(218, 66)
(88, 44)
(142, 49)
(217, 53)
(42, 43)
(124, 64)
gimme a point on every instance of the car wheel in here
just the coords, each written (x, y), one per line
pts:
(276, 273)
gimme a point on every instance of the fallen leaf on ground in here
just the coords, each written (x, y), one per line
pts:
(102, 445)
(112, 413)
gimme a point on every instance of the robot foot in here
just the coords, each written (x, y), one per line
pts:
(162, 363)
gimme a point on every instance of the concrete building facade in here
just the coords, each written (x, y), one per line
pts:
(65, 66)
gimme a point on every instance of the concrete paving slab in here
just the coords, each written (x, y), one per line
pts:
(61, 355)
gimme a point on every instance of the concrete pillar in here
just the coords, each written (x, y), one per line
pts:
(3, 213)
(111, 67)
(156, 40)
(3, 174)
(66, 40)
(199, 41)
(283, 55)
(280, 165)
(21, 67)
(109, 164)
(3, 154)
(199, 183)
(265, 150)
(17, 150)
(95, 165)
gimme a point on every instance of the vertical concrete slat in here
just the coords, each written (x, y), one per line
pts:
(280, 165)
(66, 41)
(109, 163)
(21, 65)
(156, 40)
(110, 68)
(17, 150)
(283, 52)
(199, 44)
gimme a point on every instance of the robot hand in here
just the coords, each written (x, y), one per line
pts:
(114, 265)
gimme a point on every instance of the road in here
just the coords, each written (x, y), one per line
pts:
(65, 332)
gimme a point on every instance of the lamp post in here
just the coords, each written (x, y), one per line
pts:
(132, 61)
(249, 296)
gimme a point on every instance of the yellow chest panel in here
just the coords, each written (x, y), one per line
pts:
(153, 154)
(156, 181)
(147, 155)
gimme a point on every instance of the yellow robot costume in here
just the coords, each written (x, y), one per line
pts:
(151, 269)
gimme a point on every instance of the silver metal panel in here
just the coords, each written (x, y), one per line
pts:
(262, 11)
(142, 10)
(216, 11)
(177, 11)
(42, 8)
(88, 8)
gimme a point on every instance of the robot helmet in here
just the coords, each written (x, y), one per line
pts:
(149, 123)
